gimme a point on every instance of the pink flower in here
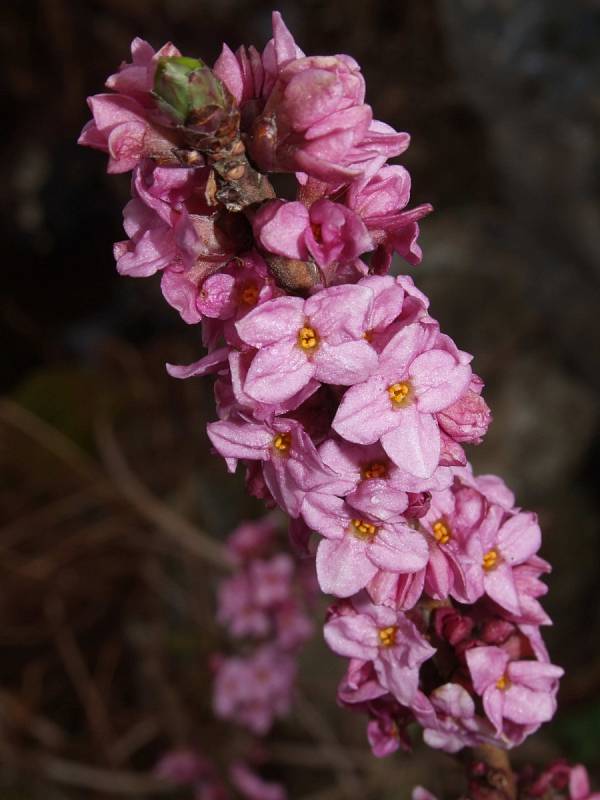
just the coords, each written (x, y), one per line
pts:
(503, 548)
(290, 463)
(242, 73)
(356, 546)
(252, 539)
(301, 340)
(386, 729)
(271, 580)
(453, 724)
(238, 609)
(453, 523)
(250, 76)
(327, 231)
(379, 196)
(523, 692)
(360, 684)
(252, 786)
(228, 295)
(313, 137)
(379, 487)
(119, 128)
(468, 419)
(255, 691)
(137, 79)
(419, 374)
(579, 784)
(294, 627)
(182, 766)
(387, 639)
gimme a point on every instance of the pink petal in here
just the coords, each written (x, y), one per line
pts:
(240, 439)
(210, 363)
(579, 783)
(365, 413)
(344, 364)
(404, 347)
(340, 312)
(352, 636)
(342, 566)
(438, 380)
(534, 674)
(414, 443)
(500, 586)
(486, 665)
(527, 707)
(399, 550)
(493, 704)
(519, 538)
(278, 372)
(272, 321)
(326, 514)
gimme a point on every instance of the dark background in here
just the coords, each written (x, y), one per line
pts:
(105, 618)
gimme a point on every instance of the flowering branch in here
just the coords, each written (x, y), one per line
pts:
(336, 390)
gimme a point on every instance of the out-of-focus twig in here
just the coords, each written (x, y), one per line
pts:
(318, 726)
(110, 781)
(121, 479)
(149, 506)
(91, 700)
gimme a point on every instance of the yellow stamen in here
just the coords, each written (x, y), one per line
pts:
(308, 338)
(387, 636)
(490, 559)
(363, 530)
(368, 335)
(377, 469)
(399, 393)
(249, 295)
(282, 442)
(441, 531)
(503, 683)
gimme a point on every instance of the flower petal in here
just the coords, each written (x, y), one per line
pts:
(278, 372)
(365, 412)
(272, 321)
(414, 443)
(342, 566)
(344, 364)
(438, 379)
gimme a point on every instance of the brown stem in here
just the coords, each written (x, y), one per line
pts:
(490, 774)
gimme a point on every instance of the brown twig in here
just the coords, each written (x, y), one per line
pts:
(318, 726)
(83, 776)
(150, 507)
(490, 773)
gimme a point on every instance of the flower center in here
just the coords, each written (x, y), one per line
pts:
(368, 335)
(399, 393)
(387, 636)
(249, 295)
(316, 232)
(441, 531)
(363, 530)
(503, 683)
(308, 338)
(377, 469)
(490, 560)
(282, 442)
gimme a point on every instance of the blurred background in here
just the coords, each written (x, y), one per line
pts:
(106, 610)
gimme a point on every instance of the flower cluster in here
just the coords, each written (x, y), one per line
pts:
(191, 768)
(558, 781)
(262, 605)
(454, 645)
(335, 389)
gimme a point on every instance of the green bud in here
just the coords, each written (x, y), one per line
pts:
(185, 87)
